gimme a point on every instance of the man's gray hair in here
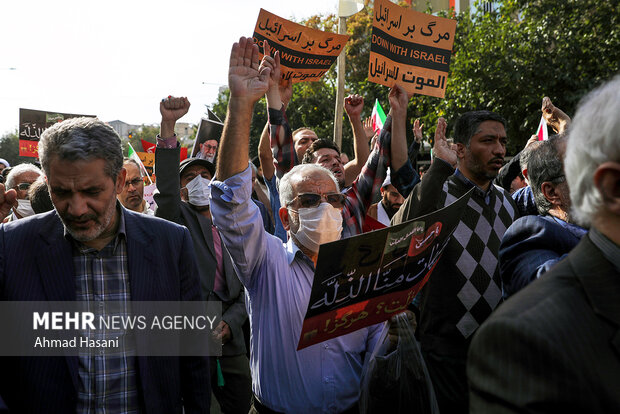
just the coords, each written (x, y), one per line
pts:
(594, 138)
(20, 169)
(287, 194)
(82, 139)
(134, 162)
(545, 164)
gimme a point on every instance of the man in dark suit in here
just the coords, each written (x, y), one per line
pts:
(534, 244)
(183, 197)
(91, 249)
(554, 346)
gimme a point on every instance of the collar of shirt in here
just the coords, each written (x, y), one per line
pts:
(293, 251)
(484, 194)
(610, 250)
(119, 232)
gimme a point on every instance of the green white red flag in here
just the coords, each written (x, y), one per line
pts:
(377, 117)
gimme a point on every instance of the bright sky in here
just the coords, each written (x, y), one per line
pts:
(118, 58)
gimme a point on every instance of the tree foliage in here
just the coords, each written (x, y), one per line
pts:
(505, 61)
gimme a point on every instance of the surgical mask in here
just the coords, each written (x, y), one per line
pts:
(318, 225)
(24, 208)
(198, 191)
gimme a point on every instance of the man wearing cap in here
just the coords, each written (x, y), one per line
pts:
(391, 200)
(184, 199)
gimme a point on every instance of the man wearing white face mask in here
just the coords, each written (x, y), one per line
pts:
(20, 178)
(182, 196)
(278, 277)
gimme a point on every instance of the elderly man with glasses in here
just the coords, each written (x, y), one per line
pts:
(278, 277)
(132, 195)
(20, 178)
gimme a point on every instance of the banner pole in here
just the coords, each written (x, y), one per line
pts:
(342, 29)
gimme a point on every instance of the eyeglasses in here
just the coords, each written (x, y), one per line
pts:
(23, 186)
(308, 200)
(135, 182)
(209, 147)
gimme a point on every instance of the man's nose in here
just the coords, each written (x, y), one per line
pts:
(77, 206)
(499, 149)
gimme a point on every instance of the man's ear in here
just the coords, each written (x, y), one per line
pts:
(551, 193)
(607, 181)
(120, 180)
(284, 218)
(524, 172)
(461, 149)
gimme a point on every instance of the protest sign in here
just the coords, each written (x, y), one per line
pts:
(366, 279)
(306, 54)
(208, 130)
(149, 192)
(148, 159)
(32, 123)
(410, 48)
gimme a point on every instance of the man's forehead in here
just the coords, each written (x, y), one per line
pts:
(195, 170)
(306, 133)
(494, 128)
(314, 181)
(26, 176)
(324, 152)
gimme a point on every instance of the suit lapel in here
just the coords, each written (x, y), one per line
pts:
(600, 281)
(55, 263)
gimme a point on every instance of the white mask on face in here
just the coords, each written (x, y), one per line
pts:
(24, 208)
(198, 191)
(318, 225)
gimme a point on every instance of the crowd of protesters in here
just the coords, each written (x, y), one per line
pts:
(521, 313)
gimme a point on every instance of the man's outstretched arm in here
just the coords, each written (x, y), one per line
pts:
(247, 85)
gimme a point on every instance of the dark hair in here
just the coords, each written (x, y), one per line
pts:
(39, 196)
(468, 123)
(317, 145)
(545, 164)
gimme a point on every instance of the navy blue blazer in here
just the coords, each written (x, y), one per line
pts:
(36, 265)
(531, 246)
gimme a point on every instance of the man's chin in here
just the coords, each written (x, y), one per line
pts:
(84, 235)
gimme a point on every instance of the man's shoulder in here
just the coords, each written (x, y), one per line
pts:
(37, 223)
(153, 224)
(532, 225)
(548, 298)
(536, 229)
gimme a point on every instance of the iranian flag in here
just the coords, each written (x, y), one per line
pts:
(377, 117)
(134, 156)
(542, 132)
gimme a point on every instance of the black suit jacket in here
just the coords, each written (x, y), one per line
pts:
(171, 207)
(554, 347)
(36, 264)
